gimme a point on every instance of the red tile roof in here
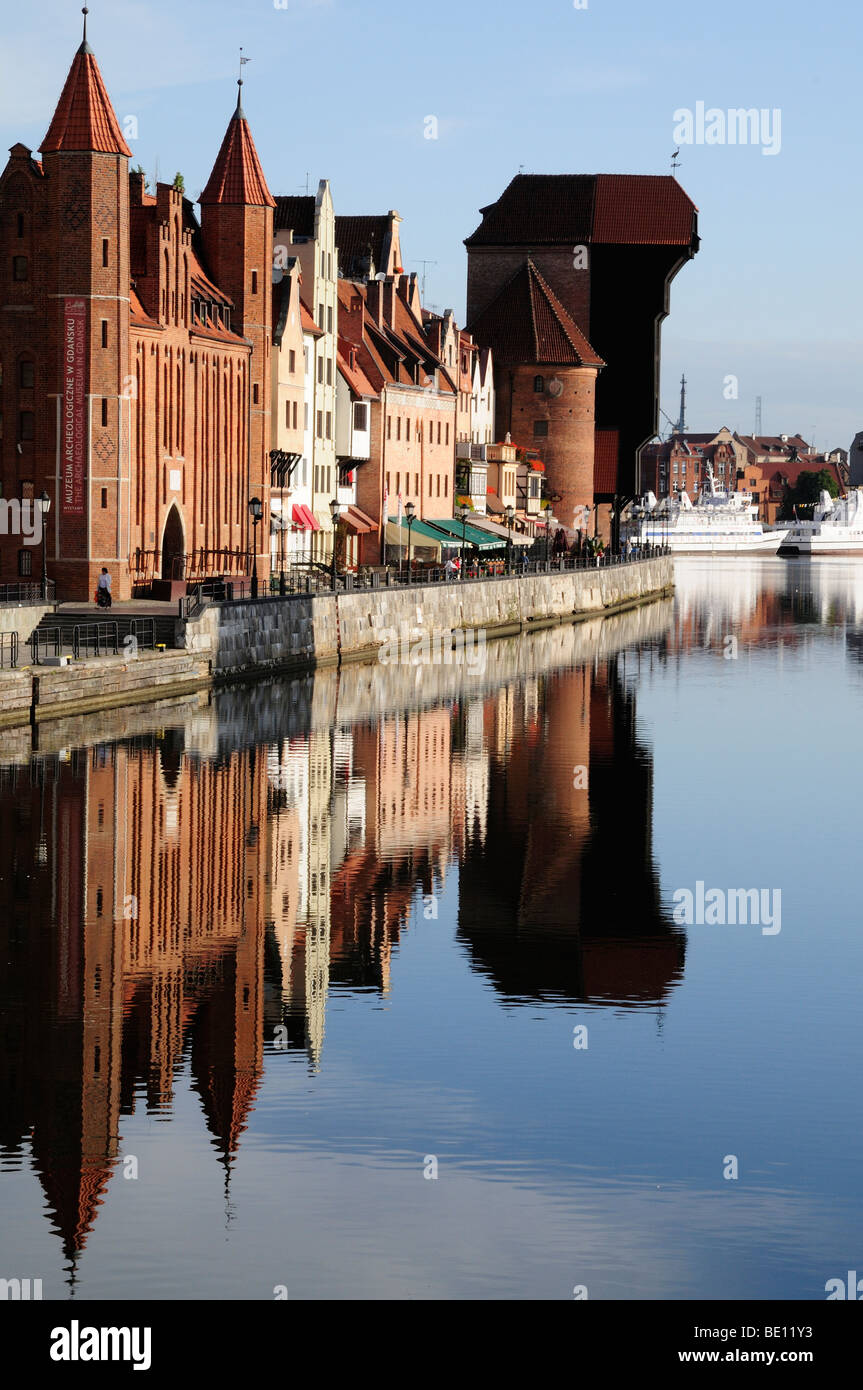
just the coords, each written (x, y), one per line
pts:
(84, 119)
(354, 376)
(550, 209)
(237, 175)
(526, 322)
(308, 323)
(605, 458)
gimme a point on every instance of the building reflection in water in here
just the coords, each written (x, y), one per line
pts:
(180, 899)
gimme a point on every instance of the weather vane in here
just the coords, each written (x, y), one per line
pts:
(675, 162)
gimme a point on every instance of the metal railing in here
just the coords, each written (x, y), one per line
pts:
(47, 641)
(27, 593)
(9, 649)
(320, 580)
(103, 638)
(143, 630)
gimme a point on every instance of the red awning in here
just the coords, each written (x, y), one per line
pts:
(303, 517)
(357, 520)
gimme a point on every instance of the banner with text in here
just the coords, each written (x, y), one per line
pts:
(74, 438)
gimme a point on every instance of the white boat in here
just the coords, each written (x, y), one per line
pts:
(836, 527)
(717, 523)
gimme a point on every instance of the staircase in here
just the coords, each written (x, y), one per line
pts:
(55, 634)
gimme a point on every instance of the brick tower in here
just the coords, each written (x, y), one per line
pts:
(84, 454)
(545, 373)
(237, 236)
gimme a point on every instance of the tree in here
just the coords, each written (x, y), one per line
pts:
(807, 488)
(179, 183)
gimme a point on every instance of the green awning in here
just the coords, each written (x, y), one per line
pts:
(473, 536)
(420, 531)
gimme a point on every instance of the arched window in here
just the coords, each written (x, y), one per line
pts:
(539, 384)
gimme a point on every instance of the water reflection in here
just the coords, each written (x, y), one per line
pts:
(189, 894)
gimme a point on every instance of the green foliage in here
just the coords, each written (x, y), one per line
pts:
(179, 183)
(805, 492)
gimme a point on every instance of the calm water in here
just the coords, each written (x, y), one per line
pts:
(271, 960)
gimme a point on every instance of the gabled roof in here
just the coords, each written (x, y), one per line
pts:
(526, 322)
(354, 376)
(237, 176)
(84, 119)
(307, 321)
(296, 215)
(550, 209)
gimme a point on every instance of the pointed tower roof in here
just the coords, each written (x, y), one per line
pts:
(84, 119)
(237, 175)
(527, 322)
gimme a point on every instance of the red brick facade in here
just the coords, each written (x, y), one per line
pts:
(128, 388)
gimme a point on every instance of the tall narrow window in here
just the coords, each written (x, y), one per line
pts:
(389, 427)
(539, 384)
(20, 224)
(104, 411)
(104, 251)
(254, 282)
(20, 268)
(26, 424)
(255, 394)
(104, 498)
(104, 332)
(329, 318)
(26, 376)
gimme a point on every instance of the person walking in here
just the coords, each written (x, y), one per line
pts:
(103, 589)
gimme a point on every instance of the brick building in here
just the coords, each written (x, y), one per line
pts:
(569, 275)
(134, 366)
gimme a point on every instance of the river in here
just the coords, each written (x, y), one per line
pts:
(381, 983)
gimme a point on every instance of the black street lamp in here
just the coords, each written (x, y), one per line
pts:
(410, 518)
(335, 509)
(462, 514)
(256, 509)
(509, 512)
(44, 504)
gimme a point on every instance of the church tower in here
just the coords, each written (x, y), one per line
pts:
(85, 164)
(237, 237)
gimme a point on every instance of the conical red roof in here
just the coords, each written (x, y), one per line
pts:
(237, 175)
(84, 119)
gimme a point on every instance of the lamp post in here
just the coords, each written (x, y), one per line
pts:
(410, 518)
(44, 507)
(509, 512)
(256, 509)
(461, 513)
(335, 509)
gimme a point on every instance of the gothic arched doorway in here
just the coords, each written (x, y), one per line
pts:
(173, 546)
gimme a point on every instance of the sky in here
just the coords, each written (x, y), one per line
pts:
(343, 89)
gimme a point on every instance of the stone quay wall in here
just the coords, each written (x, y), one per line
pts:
(305, 631)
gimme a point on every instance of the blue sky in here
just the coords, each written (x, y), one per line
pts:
(341, 89)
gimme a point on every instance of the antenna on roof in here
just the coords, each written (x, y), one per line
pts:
(423, 281)
(675, 162)
(757, 417)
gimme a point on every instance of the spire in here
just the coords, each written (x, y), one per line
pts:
(237, 175)
(84, 119)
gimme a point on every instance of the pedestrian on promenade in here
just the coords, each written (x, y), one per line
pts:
(450, 568)
(103, 589)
